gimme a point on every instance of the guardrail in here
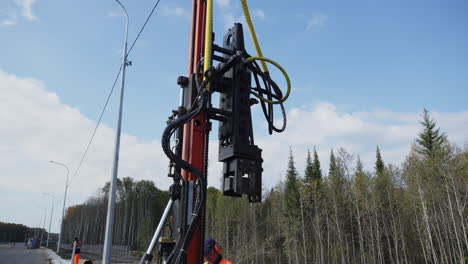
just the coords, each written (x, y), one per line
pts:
(117, 250)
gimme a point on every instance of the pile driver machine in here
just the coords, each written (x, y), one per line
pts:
(241, 81)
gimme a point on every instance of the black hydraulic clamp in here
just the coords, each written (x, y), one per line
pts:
(242, 168)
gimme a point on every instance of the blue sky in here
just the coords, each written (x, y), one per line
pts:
(359, 69)
(395, 55)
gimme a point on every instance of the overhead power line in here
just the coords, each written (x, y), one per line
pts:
(143, 27)
(111, 91)
(97, 125)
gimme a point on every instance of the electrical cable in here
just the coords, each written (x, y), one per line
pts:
(143, 27)
(97, 125)
(111, 91)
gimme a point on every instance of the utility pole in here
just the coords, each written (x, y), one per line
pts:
(64, 199)
(43, 226)
(110, 208)
(50, 221)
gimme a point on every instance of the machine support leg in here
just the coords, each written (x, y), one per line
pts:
(148, 257)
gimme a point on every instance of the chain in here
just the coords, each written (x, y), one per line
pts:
(205, 172)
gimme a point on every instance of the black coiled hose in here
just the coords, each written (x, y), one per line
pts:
(271, 90)
(181, 245)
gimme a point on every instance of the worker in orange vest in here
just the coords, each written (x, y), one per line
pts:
(212, 251)
(76, 259)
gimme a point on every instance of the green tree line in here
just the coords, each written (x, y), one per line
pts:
(139, 206)
(415, 213)
(13, 232)
(412, 213)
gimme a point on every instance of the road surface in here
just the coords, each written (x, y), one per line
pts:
(20, 255)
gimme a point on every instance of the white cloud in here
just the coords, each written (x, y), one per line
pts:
(230, 19)
(8, 22)
(26, 5)
(260, 14)
(37, 128)
(175, 11)
(317, 20)
(8, 19)
(223, 3)
(326, 127)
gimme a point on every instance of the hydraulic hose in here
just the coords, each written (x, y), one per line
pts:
(270, 87)
(286, 77)
(182, 243)
(166, 137)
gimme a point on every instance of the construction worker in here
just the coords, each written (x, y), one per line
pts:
(212, 251)
(77, 243)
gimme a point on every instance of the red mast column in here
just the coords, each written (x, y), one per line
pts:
(195, 131)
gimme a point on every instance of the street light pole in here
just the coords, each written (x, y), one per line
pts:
(50, 221)
(64, 198)
(43, 226)
(110, 208)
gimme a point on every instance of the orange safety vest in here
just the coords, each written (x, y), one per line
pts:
(225, 261)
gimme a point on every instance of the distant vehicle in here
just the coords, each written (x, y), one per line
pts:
(34, 243)
(29, 243)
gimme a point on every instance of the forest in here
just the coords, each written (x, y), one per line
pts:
(414, 212)
(13, 232)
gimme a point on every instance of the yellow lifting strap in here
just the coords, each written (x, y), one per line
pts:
(253, 35)
(208, 40)
(262, 59)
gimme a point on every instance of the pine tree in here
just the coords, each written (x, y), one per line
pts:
(309, 169)
(291, 190)
(317, 171)
(337, 185)
(313, 171)
(382, 180)
(361, 181)
(430, 139)
(383, 197)
(333, 167)
(292, 201)
(359, 166)
(360, 178)
(379, 164)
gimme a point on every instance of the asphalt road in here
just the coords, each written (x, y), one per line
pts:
(20, 255)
